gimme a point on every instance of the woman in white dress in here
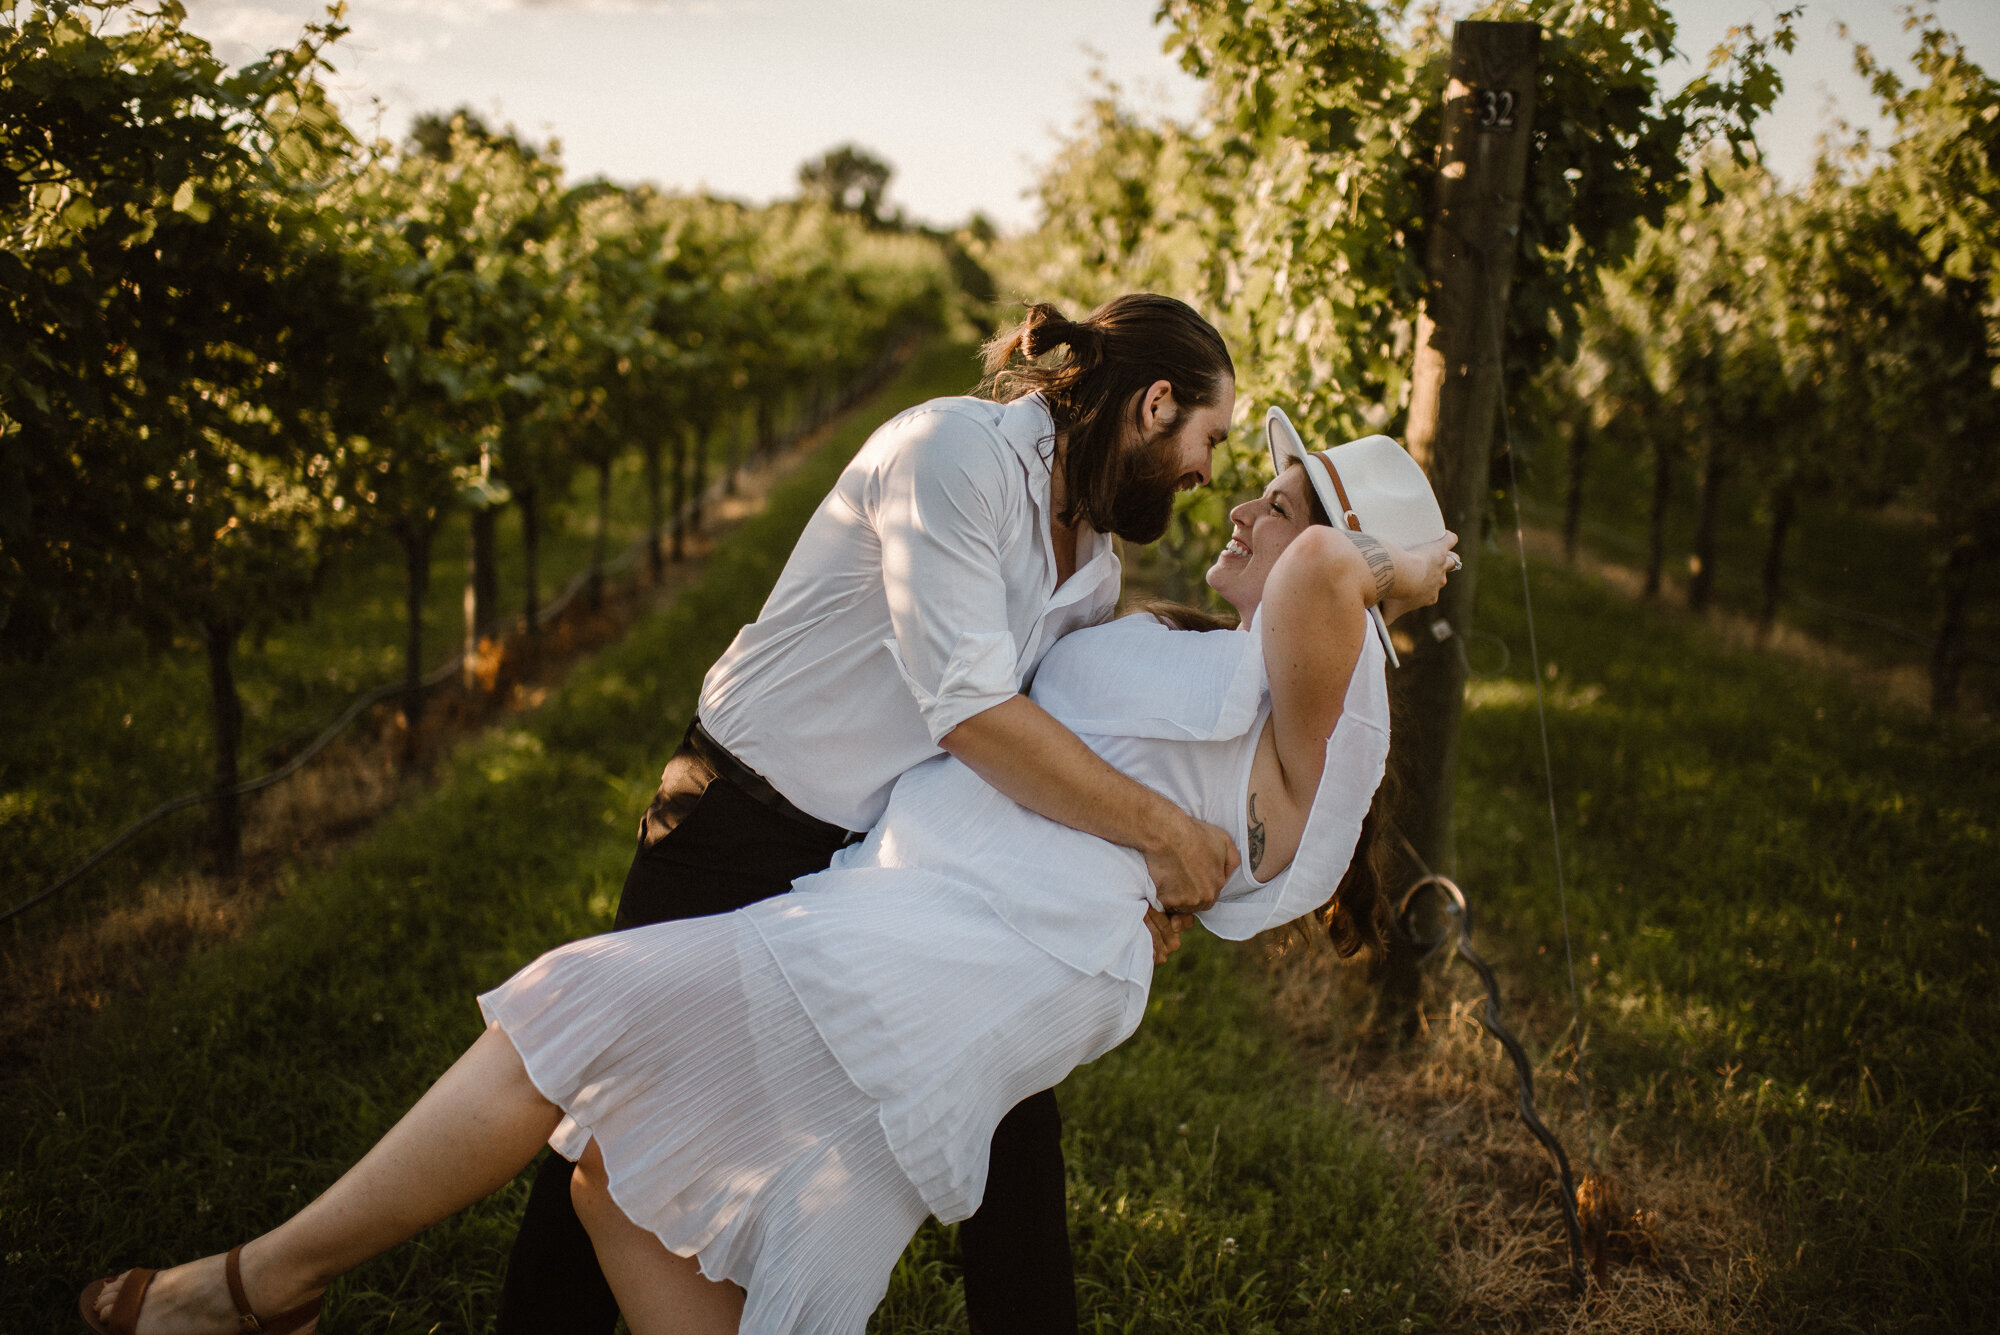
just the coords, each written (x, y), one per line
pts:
(763, 1126)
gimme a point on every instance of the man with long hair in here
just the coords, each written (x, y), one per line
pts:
(963, 540)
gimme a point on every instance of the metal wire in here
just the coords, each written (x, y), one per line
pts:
(1541, 707)
(1489, 1017)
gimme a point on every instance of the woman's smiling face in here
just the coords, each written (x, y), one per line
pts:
(1260, 530)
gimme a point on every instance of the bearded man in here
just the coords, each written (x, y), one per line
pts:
(963, 540)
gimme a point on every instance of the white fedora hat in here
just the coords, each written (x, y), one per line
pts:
(1370, 485)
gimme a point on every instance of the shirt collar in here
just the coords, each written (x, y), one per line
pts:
(1028, 427)
(1032, 432)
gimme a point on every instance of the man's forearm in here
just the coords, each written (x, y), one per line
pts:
(1021, 749)
(1026, 754)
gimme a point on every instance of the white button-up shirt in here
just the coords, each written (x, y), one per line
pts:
(923, 591)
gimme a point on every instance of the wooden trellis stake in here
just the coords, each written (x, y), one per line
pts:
(1488, 118)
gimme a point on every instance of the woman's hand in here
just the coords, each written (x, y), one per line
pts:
(1403, 577)
(1419, 575)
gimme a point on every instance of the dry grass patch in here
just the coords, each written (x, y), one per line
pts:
(1683, 1248)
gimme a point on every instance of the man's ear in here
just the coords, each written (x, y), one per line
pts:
(1157, 410)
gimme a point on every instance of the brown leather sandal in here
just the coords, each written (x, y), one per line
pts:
(124, 1318)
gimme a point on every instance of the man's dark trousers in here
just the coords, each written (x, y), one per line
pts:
(717, 838)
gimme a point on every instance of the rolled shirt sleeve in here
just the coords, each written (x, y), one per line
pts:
(978, 675)
(940, 511)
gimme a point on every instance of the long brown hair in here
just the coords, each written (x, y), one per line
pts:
(1357, 917)
(1122, 347)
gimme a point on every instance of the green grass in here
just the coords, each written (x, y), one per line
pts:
(106, 728)
(1873, 562)
(1210, 1188)
(178, 1125)
(1781, 895)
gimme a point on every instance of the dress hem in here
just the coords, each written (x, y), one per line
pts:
(611, 1177)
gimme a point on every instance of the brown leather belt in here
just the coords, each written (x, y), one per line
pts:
(754, 785)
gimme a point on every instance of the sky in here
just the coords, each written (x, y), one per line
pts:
(965, 98)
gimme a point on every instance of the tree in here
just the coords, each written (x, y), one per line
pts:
(529, 212)
(114, 120)
(1617, 393)
(847, 179)
(433, 242)
(1941, 184)
(607, 344)
(534, 459)
(159, 247)
(1803, 448)
(1710, 310)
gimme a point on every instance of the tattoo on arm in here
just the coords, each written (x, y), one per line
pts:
(1380, 563)
(1256, 836)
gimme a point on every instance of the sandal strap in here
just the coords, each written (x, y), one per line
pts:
(124, 1318)
(232, 1270)
(246, 1320)
(287, 1322)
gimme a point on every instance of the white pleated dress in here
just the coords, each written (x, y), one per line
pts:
(785, 1092)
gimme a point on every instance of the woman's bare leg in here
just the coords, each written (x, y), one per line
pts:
(658, 1292)
(473, 1131)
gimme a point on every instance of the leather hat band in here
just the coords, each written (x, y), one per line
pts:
(1333, 475)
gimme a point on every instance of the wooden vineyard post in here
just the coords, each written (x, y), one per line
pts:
(1475, 217)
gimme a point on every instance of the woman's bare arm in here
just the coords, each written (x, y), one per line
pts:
(1313, 622)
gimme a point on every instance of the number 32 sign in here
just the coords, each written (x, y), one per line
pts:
(1495, 108)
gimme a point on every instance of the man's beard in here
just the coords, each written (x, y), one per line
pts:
(1143, 504)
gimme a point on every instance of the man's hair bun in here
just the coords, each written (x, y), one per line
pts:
(1045, 329)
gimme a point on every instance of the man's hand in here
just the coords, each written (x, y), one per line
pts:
(1166, 929)
(1190, 865)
